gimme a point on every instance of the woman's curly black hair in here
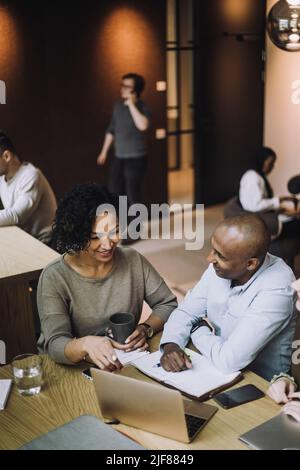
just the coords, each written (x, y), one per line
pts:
(76, 215)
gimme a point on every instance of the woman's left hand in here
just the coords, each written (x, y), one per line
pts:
(137, 340)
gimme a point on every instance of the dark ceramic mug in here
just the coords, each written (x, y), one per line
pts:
(120, 326)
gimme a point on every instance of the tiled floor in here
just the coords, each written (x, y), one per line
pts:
(181, 186)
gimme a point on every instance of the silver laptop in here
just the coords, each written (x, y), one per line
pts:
(150, 407)
(279, 433)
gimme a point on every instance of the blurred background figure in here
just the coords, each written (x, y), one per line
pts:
(129, 123)
(27, 197)
(256, 195)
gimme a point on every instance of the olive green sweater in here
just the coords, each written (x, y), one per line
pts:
(71, 305)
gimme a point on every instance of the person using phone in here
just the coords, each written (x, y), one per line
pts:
(127, 131)
(283, 386)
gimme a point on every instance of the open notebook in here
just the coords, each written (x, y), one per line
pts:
(201, 382)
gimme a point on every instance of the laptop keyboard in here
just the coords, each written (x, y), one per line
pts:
(194, 424)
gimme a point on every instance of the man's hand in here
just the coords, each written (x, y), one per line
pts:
(102, 158)
(130, 99)
(292, 408)
(281, 391)
(174, 359)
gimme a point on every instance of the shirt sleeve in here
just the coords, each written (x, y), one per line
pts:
(194, 306)
(112, 125)
(27, 198)
(54, 316)
(157, 294)
(252, 194)
(268, 314)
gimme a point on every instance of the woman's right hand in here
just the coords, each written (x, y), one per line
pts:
(101, 353)
(281, 391)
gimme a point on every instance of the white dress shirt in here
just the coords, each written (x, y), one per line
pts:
(259, 314)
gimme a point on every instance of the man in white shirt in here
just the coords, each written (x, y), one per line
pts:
(27, 198)
(241, 313)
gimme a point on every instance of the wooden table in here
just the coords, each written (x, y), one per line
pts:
(22, 259)
(67, 395)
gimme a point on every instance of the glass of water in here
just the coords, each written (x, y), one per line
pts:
(27, 373)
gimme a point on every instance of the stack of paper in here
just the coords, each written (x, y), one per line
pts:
(5, 386)
(129, 357)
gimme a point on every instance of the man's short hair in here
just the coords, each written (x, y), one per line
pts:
(254, 231)
(139, 82)
(6, 143)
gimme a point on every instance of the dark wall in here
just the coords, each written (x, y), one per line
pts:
(229, 96)
(65, 76)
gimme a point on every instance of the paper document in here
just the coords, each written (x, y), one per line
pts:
(201, 379)
(5, 386)
(128, 357)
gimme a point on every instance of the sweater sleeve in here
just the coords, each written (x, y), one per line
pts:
(27, 198)
(54, 315)
(157, 294)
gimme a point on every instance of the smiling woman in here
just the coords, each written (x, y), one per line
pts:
(94, 279)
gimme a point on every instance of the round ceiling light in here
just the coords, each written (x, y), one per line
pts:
(284, 25)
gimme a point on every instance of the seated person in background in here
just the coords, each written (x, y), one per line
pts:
(92, 280)
(241, 313)
(26, 195)
(283, 387)
(256, 194)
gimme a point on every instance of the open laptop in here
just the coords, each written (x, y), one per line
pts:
(150, 407)
(279, 433)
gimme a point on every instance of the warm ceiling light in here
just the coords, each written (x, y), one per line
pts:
(284, 25)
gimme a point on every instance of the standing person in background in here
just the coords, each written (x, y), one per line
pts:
(127, 130)
(27, 197)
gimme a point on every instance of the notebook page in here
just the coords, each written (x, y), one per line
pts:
(197, 381)
(149, 365)
(129, 357)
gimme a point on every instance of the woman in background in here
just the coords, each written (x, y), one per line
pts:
(257, 195)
